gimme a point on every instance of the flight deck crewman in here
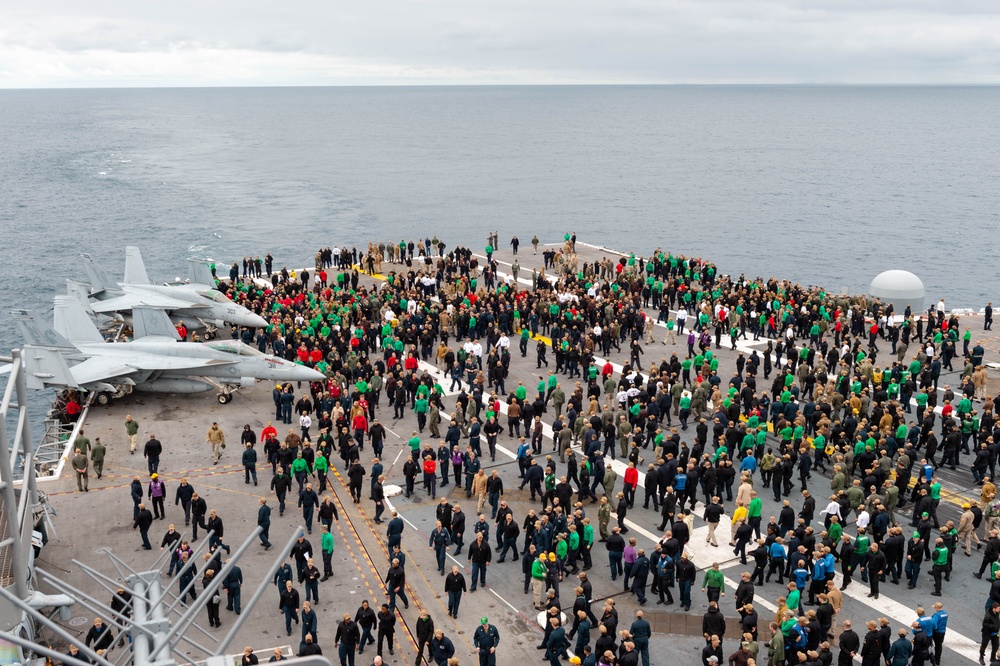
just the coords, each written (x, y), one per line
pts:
(217, 439)
(132, 430)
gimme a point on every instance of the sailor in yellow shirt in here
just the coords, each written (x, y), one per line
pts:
(739, 517)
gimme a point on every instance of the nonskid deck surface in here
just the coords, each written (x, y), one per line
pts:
(88, 522)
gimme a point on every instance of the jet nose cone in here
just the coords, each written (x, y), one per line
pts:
(255, 321)
(300, 373)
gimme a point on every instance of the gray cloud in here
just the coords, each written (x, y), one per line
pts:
(115, 42)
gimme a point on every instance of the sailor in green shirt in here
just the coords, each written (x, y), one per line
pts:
(793, 598)
(686, 370)
(714, 583)
(786, 435)
(921, 399)
(754, 510)
(835, 531)
(321, 466)
(685, 409)
(761, 439)
(797, 434)
(414, 443)
(588, 541)
(860, 557)
(573, 548)
(940, 557)
(420, 408)
(964, 406)
(901, 432)
(562, 548)
(326, 546)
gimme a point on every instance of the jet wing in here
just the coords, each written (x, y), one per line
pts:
(128, 302)
(104, 368)
(98, 369)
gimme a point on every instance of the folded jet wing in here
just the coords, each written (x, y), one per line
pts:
(158, 301)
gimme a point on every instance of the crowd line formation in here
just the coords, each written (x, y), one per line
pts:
(844, 386)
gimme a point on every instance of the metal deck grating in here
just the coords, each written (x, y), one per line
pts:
(6, 552)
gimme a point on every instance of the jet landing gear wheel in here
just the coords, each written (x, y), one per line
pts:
(104, 398)
(225, 398)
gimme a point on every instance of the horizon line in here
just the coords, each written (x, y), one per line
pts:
(194, 86)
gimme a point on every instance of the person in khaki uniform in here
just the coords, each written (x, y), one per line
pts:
(132, 430)
(97, 454)
(217, 439)
(479, 489)
(80, 465)
(604, 517)
(966, 530)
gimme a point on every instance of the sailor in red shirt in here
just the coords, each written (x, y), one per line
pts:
(268, 431)
(631, 482)
(430, 476)
(360, 425)
(411, 362)
(72, 409)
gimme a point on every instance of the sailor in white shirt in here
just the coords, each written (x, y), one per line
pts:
(863, 519)
(503, 342)
(622, 397)
(832, 509)
(477, 349)
(682, 315)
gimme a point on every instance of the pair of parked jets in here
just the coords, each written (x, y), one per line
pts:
(72, 353)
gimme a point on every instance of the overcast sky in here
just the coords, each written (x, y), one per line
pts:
(97, 43)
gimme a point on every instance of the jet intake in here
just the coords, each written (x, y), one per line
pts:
(247, 382)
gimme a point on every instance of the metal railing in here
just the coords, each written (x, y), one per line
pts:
(18, 508)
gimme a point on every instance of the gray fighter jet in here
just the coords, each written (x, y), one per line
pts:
(197, 304)
(73, 354)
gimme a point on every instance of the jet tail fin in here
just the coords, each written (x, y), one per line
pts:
(199, 273)
(148, 322)
(45, 367)
(36, 333)
(79, 291)
(71, 321)
(135, 269)
(100, 281)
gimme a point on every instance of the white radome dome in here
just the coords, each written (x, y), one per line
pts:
(899, 287)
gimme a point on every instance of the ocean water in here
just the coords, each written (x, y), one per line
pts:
(825, 185)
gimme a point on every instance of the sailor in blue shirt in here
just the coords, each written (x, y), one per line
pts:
(926, 622)
(777, 564)
(800, 575)
(818, 580)
(940, 618)
(749, 464)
